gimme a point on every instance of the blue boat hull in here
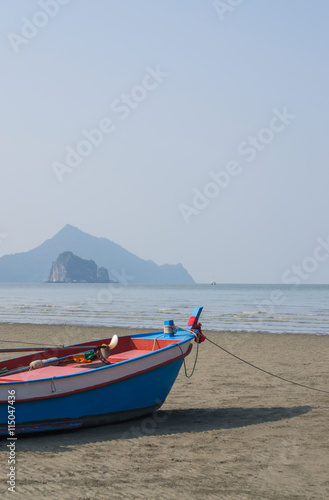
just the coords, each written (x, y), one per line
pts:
(93, 383)
(126, 399)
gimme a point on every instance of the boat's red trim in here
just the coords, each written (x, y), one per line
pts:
(177, 358)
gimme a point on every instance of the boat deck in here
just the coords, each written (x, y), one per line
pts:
(71, 368)
(127, 349)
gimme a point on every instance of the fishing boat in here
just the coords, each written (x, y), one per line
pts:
(93, 383)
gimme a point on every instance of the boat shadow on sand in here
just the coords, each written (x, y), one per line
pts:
(161, 423)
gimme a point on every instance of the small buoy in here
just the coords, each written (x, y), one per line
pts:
(38, 363)
(53, 361)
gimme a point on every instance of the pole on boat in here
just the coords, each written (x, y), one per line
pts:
(40, 349)
(104, 349)
(111, 345)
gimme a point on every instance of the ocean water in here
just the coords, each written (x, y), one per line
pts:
(261, 308)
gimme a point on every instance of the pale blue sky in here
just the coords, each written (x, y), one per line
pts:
(223, 80)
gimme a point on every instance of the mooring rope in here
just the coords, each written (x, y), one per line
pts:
(195, 361)
(30, 343)
(197, 350)
(247, 363)
(266, 371)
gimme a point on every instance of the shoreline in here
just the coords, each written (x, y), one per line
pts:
(129, 329)
(229, 432)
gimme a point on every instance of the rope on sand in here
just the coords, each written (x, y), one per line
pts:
(265, 371)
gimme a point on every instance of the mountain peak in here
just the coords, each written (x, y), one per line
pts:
(123, 266)
(68, 228)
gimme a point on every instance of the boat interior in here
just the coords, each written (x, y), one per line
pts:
(67, 361)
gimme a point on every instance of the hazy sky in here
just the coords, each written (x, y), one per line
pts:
(186, 131)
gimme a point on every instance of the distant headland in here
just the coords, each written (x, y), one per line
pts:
(122, 265)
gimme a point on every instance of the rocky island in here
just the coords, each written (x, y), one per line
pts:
(69, 268)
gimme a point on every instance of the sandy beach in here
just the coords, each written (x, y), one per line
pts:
(229, 432)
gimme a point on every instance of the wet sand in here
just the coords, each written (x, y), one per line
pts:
(229, 432)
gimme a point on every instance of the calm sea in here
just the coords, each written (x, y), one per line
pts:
(266, 308)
